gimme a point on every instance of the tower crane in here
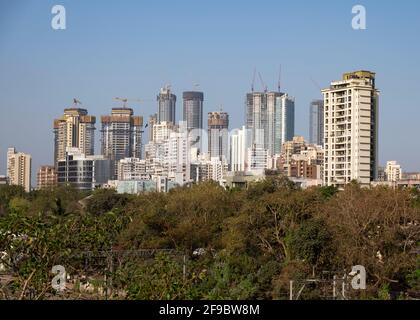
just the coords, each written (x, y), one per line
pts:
(76, 102)
(124, 100)
(253, 80)
(262, 82)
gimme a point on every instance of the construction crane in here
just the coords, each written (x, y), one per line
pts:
(125, 100)
(265, 88)
(315, 83)
(279, 81)
(76, 102)
(253, 80)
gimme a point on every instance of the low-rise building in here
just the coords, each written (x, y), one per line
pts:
(299, 159)
(411, 176)
(4, 180)
(156, 184)
(393, 171)
(398, 184)
(132, 169)
(46, 177)
(205, 169)
(241, 180)
(84, 172)
(258, 159)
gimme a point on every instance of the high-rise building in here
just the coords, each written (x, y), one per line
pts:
(218, 135)
(271, 118)
(178, 159)
(151, 124)
(121, 134)
(19, 169)
(238, 150)
(193, 109)
(351, 129)
(46, 177)
(393, 171)
(193, 117)
(287, 121)
(166, 105)
(75, 129)
(316, 122)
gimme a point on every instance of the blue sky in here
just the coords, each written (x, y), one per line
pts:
(132, 48)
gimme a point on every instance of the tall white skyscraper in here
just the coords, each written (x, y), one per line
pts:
(351, 129)
(178, 158)
(287, 121)
(238, 150)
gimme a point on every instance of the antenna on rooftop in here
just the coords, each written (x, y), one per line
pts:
(279, 81)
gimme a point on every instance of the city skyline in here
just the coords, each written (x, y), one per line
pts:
(41, 77)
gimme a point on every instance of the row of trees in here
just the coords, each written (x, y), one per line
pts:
(226, 244)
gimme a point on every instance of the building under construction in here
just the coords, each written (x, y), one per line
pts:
(218, 125)
(121, 134)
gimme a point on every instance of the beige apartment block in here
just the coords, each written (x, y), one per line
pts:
(46, 177)
(351, 130)
(19, 169)
(75, 129)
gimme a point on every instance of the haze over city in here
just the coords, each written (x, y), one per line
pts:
(134, 49)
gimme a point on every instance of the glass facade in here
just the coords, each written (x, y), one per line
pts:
(316, 122)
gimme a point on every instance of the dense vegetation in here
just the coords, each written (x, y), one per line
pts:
(226, 244)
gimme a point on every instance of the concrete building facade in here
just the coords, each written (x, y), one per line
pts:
(46, 177)
(19, 169)
(75, 129)
(238, 150)
(166, 106)
(121, 134)
(351, 130)
(84, 172)
(270, 116)
(218, 135)
(393, 171)
(316, 122)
